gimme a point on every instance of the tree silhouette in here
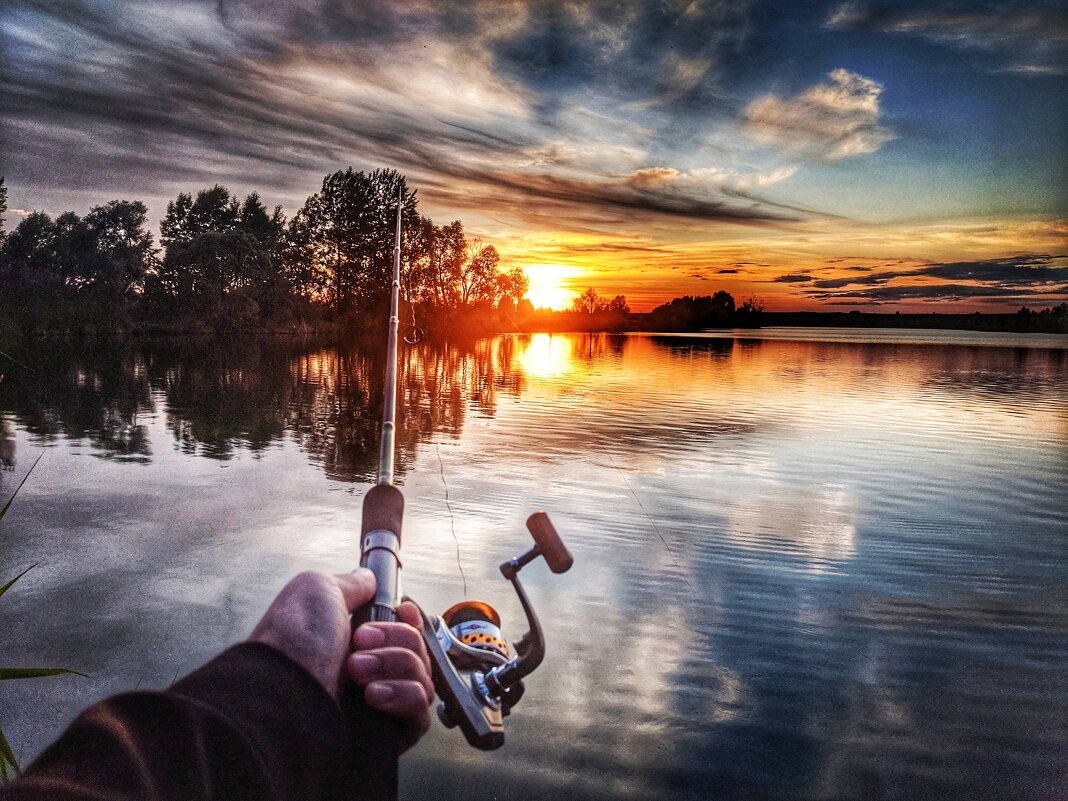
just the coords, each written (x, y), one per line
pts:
(3, 210)
(116, 251)
(29, 267)
(345, 231)
(690, 313)
(213, 211)
(591, 303)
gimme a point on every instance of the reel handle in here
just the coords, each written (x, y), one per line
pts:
(548, 541)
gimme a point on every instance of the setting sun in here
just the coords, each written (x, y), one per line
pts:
(549, 286)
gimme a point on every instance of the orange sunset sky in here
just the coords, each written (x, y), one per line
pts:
(906, 156)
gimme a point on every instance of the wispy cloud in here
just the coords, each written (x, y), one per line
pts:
(831, 121)
(1029, 41)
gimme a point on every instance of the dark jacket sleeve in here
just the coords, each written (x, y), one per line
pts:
(251, 724)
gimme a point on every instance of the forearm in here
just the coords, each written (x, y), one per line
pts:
(251, 724)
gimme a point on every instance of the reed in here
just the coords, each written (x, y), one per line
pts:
(9, 764)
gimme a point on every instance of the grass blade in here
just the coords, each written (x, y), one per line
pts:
(7, 757)
(34, 673)
(11, 583)
(16, 492)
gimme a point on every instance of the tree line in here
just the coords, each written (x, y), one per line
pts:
(224, 262)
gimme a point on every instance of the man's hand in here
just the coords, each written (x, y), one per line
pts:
(309, 623)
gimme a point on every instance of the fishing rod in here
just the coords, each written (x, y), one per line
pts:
(476, 676)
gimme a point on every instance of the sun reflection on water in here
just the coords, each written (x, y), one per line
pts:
(546, 356)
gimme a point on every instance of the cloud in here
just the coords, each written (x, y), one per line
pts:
(831, 121)
(952, 292)
(653, 176)
(1029, 41)
(543, 110)
(727, 272)
(1032, 275)
(1028, 270)
(793, 278)
(849, 280)
(666, 53)
(1015, 270)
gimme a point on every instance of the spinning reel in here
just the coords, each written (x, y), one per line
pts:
(475, 675)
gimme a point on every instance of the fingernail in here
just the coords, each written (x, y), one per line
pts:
(370, 637)
(379, 693)
(366, 664)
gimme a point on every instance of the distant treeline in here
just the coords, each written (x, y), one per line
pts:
(1051, 320)
(232, 264)
(591, 312)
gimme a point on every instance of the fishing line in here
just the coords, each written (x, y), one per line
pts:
(652, 522)
(649, 517)
(16, 361)
(452, 518)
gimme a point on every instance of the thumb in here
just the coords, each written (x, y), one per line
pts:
(357, 587)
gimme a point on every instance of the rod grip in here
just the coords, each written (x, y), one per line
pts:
(376, 736)
(383, 509)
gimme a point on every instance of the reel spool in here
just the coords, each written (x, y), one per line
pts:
(477, 625)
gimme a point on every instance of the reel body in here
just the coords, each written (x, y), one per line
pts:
(475, 676)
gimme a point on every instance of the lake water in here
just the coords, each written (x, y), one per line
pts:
(808, 564)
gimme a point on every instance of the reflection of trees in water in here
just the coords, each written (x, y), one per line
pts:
(96, 394)
(7, 446)
(225, 397)
(998, 372)
(222, 397)
(333, 410)
(683, 346)
(591, 348)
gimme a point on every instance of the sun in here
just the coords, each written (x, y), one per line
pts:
(549, 286)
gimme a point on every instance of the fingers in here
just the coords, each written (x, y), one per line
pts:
(371, 636)
(390, 665)
(405, 700)
(408, 613)
(392, 661)
(357, 587)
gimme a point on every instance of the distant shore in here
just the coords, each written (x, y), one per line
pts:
(1027, 323)
(437, 326)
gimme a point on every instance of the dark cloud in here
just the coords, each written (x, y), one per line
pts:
(929, 292)
(793, 278)
(1015, 270)
(660, 51)
(849, 280)
(1030, 270)
(727, 272)
(1037, 275)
